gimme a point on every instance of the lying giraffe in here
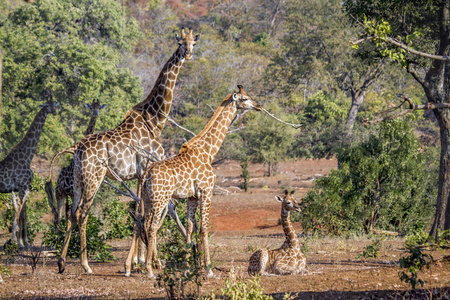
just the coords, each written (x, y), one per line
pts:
(189, 175)
(288, 259)
(64, 185)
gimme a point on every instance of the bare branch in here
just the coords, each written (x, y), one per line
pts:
(179, 126)
(402, 46)
(413, 51)
(296, 126)
(412, 107)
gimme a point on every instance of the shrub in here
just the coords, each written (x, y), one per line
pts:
(387, 182)
(96, 242)
(181, 277)
(238, 289)
(116, 216)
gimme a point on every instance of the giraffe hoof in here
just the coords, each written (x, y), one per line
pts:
(151, 276)
(210, 274)
(126, 274)
(61, 265)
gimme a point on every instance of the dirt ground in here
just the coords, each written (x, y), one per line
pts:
(240, 224)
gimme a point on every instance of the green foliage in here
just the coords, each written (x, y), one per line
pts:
(96, 245)
(266, 140)
(117, 220)
(321, 135)
(388, 182)
(417, 261)
(238, 289)
(59, 47)
(180, 277)
(245, 177)
(372, 250)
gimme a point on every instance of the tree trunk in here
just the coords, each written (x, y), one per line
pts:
(1, 85)
(442, 216)
(357, 101)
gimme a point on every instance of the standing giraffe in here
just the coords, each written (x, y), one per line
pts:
(64, 185)
(288, 259)
(16, 174)
(189, 175)
(98, 153)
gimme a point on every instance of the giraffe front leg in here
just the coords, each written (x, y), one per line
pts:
(204, 229)
(150, 231)
(131, 253)
(18, 204)
(23, 236)
(83, 245)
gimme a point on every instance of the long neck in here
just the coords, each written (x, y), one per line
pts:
(289, 232)
(156, 106)
(212, 136)
(91, 126)
(26, 148)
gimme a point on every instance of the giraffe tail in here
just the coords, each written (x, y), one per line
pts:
(49, 190)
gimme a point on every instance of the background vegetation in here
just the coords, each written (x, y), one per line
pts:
(292, 56)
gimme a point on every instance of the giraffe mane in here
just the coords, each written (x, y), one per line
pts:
(224, 103)
(143, 102)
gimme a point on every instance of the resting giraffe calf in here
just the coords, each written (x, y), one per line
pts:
(288, 259)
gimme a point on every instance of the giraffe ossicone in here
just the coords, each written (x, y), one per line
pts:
(188, 175)
(288, 259)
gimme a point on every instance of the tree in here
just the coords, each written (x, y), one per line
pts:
(386, 182)
(315, 56)
(416, 34)
(266, 140)
(73, 50)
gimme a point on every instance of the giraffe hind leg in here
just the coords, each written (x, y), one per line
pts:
(258, 263)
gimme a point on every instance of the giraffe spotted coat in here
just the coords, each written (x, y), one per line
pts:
(288, 259)
(189, 175)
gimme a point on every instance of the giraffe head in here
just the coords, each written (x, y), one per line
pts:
(244, 101)
(187, 42)
(95, 107)
(49, 107)
(289, 203)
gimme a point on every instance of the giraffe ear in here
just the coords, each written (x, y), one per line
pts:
(103, 106)
(177, 37)
(87, 105)
(279, 199)
(292, 192)
(235, 96)
(197, 37)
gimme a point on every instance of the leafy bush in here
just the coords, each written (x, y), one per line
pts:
(238, 289)
(321, 135)
(387, 182)
(116, 217)
(181, 277)
(95, 246)
(372, 250)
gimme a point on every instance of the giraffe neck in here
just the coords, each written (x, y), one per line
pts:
(91, 126)
(156, 106)
(289, 232)
(212, 136)
(26, 148)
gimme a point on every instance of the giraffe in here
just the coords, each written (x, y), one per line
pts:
(189, 175)
(16, 174)
(102, 154)
(288, 259)
(64, 185)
